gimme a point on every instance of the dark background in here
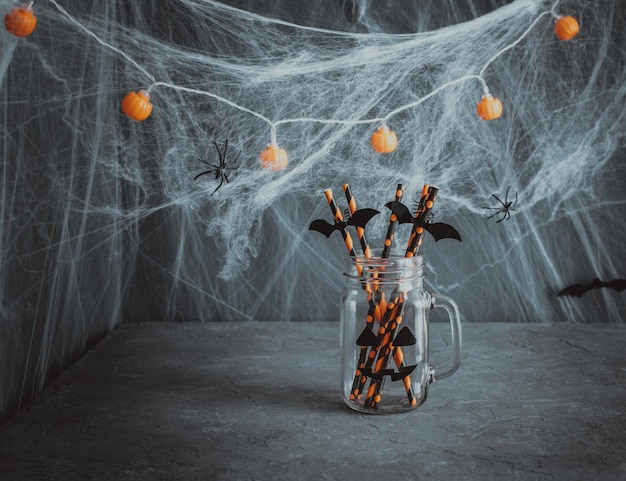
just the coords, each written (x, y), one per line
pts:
(101, 224)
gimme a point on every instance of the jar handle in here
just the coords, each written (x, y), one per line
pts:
(455, 323)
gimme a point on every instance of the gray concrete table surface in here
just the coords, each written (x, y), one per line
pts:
(260, 401)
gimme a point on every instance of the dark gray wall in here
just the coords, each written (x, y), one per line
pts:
(102, 222)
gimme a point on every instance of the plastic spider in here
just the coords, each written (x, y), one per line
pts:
(507, 206)
(219, 170)
(430, 217)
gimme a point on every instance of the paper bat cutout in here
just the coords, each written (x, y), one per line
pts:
(438, 230)
(359, 219)
(577, 290)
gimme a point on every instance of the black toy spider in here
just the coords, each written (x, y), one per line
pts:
(507, 206)
(430, 217)
(219, 170)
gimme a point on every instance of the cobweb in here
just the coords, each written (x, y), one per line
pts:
(102, 220)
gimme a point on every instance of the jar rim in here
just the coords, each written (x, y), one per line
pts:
(389, 268)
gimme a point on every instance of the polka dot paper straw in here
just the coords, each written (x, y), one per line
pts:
(429, 194)
(393, 220)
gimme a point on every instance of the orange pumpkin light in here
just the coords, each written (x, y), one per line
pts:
(137, 105)
(20, 21)
(566, 28)
(489, 108)
(274, 158)
(384, 140)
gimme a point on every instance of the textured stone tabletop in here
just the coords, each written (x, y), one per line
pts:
(260, 401)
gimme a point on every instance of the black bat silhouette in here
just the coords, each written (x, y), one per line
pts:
(438, 230)
(360, 218)
(578, 290)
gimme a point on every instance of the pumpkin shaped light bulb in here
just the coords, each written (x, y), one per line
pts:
(137, 105)
(384, 140)
(21, 21)
(489, 108)
(274, 158)
(566, 28)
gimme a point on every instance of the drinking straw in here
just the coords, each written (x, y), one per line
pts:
(379, 313)
(338, 216)
(388, 326)
(381, 305)
(389, 241)
(398, 357)
(387, 245)
(393, 220)
(419, 209)
(427, 199)
(328, 193)
(369, 320)
(360, 231)
(376, 309)
(429, 194)
(387, 332)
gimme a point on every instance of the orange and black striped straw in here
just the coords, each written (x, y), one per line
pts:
(379, 355)
(425, 205)
(391, 227)
(386, 334)
(369, 320)
(367, 253)
(338, 216)
(381, 301)
(360, 231)
(374, 309)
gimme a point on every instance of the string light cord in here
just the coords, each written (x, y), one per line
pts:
(274, 124)
(105, 44)
(513, 44)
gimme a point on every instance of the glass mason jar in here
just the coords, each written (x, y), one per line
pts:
(384, 334)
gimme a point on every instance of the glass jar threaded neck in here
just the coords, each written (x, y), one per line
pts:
(393, 270)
